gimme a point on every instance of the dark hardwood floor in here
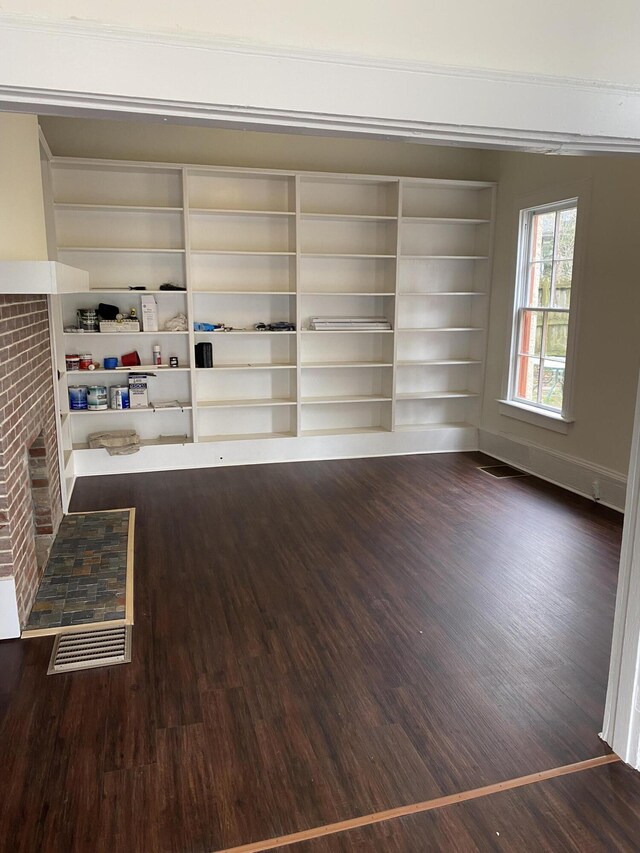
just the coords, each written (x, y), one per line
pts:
(316, 641)
(597, 811)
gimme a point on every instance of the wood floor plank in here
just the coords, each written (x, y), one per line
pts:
(28, 742)
(72, 795)
(131, 811)
(596, 811)
(314, 641)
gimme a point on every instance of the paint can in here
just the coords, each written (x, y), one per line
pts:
(87, 319)
(119, 396)
(97, 397)
(77, 397)
(86, 360)
(72, 361)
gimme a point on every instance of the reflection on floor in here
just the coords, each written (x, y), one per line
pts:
(85, 577)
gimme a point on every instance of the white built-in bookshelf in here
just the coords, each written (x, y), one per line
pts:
(262, 246)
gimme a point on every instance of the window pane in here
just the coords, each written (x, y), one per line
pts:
(542, 233)
(530, 332)
(527, 379)
(566, 233)
(552, 383)
(556, 340)
(539, 285)
(562, 291)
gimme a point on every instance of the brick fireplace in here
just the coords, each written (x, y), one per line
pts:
(30, 501)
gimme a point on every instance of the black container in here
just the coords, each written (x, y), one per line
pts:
(204, 354)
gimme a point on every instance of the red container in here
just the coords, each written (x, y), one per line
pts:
(130, 359)
(86, 360)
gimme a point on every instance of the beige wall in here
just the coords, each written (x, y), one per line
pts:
(22, 229)
(608, 354)
(575, 38)
(609, 334)
(187, 144)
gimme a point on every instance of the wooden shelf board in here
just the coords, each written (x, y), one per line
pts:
(254, 436)
(141, 249)
(315, 365)
(443, 293)
(447, 183)
(241, 252)
(344, 430)
(428, 427)
(347, 398)
(446, 329)
(364, 256)
(116, 208)
(445, 220)
(233, 404)
(248, 366)
(443, 257)
(124, 291)
(117, 334)
(245, 292)
(355, 217)
(348, 332)
(343, 293)
(439, 361)
(186, 408)
(223, 211)
(144, 442)
(238, 332)
(119, 371)
(435, 395)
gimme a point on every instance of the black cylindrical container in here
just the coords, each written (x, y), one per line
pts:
(204, 354)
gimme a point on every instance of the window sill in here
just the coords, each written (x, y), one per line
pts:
(537, 417)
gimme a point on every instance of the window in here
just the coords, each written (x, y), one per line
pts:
(540, 336)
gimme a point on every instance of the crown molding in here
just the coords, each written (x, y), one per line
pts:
(193, 79)
(170, 38)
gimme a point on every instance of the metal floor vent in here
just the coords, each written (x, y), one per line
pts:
(90, 649)
(502, 472)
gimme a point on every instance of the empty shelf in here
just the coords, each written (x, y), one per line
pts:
(232, 404)
(434, 395)
(347, 398)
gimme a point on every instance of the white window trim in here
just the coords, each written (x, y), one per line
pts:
(580, 192)
(534, 415)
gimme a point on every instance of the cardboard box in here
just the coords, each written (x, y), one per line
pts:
(149, 311)
(138, 391)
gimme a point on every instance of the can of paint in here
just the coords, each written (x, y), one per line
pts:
(87, 319)
(119, 396)
(86, 360)
(97, 397)
(77, 397)
(72, 361)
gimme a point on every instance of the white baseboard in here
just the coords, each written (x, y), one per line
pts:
(260, 451)
(9, 620)
(569, 472)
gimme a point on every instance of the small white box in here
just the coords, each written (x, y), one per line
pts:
(149, 313)
(119, 326)
(138, 391)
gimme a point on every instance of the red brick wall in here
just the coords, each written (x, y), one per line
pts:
(30, 502)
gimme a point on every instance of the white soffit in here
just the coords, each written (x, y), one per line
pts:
(66, 68)
(41, 277)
